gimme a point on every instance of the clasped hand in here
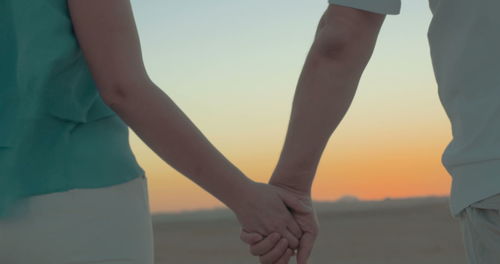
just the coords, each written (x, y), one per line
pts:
(277, 223)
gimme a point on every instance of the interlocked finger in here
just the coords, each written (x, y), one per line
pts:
(265, 245)
(274, 255)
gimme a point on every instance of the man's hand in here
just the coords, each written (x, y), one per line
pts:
(306, 217)
(269, 248)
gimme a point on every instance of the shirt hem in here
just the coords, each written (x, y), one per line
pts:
(472, 183)
(384, 7)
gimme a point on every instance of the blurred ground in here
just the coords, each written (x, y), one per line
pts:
(408, 231)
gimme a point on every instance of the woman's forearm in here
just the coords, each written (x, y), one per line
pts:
(109, 40)
(157, 120)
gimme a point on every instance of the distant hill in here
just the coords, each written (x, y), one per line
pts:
(345, 203)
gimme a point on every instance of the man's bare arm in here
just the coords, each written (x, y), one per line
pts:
(341, 50)
(343, 45)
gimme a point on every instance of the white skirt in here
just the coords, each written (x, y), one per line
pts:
(110, 225)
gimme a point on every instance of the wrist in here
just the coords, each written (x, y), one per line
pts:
(237, 192)
(299, 182)
(224, 181)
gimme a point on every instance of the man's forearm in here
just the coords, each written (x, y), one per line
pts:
(324, 93)
(157, 120)
(322, 98)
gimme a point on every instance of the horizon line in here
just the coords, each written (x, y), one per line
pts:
(342, 199)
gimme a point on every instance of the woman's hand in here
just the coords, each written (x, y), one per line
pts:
(261, 209)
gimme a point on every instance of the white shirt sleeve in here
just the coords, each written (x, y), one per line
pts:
(385, 7)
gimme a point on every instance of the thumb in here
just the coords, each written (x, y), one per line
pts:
(295, 203)
(250, 238)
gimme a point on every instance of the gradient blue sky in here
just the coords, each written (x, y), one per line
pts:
(232, 66)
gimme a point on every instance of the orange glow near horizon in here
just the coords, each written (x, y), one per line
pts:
(233, 70)
(373, 169)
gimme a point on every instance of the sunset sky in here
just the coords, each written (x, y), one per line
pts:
(232, 66)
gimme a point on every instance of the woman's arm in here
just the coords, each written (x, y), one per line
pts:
(108, 37)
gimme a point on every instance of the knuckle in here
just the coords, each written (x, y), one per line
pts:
(261, 230)
(269, 243)
(284, 244)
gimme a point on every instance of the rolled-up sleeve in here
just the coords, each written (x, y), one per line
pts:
(386, 7)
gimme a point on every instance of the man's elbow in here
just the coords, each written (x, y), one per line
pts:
(331, 45)
(346, 34)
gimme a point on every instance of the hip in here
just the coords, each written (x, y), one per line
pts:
(81, 225)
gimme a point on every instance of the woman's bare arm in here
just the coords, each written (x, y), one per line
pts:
(108, 37)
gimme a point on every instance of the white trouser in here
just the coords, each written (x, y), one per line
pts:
(480, 224)
(110, 225)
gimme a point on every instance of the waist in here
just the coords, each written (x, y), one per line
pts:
(60, 156)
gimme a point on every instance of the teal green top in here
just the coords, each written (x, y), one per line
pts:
(464, 43)
(56, 133)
